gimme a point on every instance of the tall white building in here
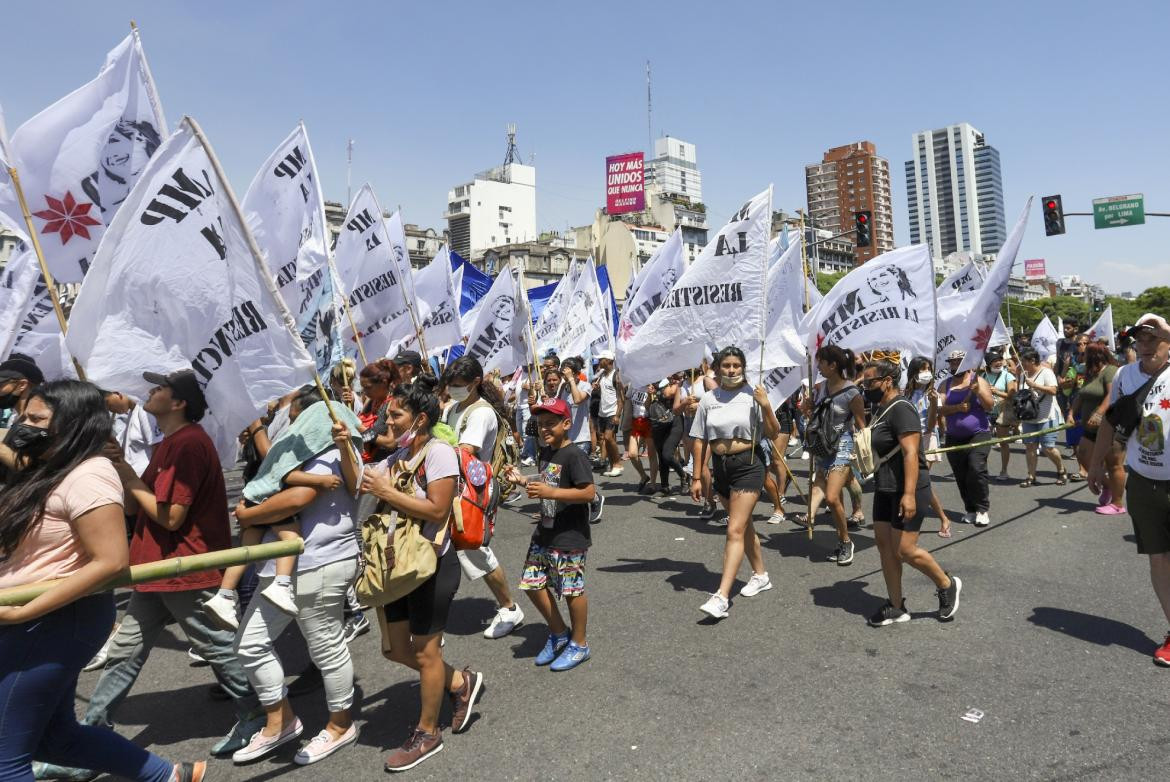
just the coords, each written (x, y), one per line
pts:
(496, 207)
(954, 192)
(674, 170)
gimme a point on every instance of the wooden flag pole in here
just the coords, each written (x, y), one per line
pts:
(807, 306)
(166, 568)
(349, 313)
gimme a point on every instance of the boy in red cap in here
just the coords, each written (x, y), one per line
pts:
(556, 556)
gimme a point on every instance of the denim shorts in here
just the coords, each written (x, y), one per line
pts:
(1046, 440)
(844, 456)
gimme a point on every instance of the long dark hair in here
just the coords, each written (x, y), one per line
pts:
(916, 365)
(730, 350)
(840, 357)
(468, 369)
(419, 401)
(78, 430)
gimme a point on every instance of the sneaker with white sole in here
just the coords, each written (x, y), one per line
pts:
(283, 596)
(948, 599)
(759, 582)
(889, 615)
(356, 625)
(777, 518)
(221, 609)
(981, 519)
(103, 654)
(613, 473)
(716, 606)
(505, 621)
(323, 745)
(261, 745)
(967, 518)
(596, 507)
(718, 520)
(843, 554)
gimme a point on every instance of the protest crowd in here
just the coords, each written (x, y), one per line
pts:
(385, 419)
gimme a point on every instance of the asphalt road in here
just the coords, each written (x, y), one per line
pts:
(1052, 644)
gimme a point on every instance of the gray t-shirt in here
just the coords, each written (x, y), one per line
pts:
(579, 424)
(727, 415)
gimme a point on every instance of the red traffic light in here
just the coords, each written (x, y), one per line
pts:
(1050, 205)
(862, 218)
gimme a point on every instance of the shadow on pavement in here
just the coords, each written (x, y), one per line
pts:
(1094, 629)
(849, 596)
(794, 542)
(471, 617)
(687, 575)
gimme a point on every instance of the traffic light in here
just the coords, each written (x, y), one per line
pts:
(862, 225)
(1053, 216)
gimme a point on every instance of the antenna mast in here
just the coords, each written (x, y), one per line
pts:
(511, 155)
(348, 171)
(649, 112)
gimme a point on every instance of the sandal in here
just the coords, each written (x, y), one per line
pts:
(945, 532)
(1027, 483)
(1061, 478)
(1076, 477)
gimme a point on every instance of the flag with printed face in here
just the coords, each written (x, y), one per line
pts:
(319, 325)
(975, 337)
(582, 321)
(649, 290)
(1103, 329)
(967, 278)
(371, 277)
(438, 304)
(499, 337)
(79, 158)
(717, 302)
(286, 214)
(176, 285)
(886, 303)
(1044, 340)
(18, 284)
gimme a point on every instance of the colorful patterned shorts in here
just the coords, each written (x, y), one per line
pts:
(548, 568)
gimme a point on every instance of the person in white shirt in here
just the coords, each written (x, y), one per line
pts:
(135, 430)
(1139, 418)
(1042, 380)
(609, 411)
(473, 415)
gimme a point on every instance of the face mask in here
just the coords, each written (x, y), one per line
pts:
(874, 395)
(730, 382)
(406, 438)
(8, 401)
(925, 377)
(27, 439)
(459, 393)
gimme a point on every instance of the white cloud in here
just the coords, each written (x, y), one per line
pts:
(1135, 277)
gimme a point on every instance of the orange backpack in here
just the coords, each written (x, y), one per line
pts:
(477, 496)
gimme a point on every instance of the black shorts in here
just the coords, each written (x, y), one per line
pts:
(738, 472)
(606, 424)
(426, 608)
(784, 417)
(1148, 503)
(886, 506)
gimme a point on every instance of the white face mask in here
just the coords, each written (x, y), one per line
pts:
(731, 382)
(925, 377)
(459, 393)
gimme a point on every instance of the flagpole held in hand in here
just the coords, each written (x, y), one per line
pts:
(763, 316)
(348, 312)
(804, 274)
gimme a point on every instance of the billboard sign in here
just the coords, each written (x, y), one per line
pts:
(1034, 269)
(623, 183)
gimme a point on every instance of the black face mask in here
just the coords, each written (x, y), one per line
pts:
(27, 440)
(8, 401)
(874, 395)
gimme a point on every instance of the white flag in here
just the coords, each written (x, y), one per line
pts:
(1044, 340)
(548, 325)
(968, 278)
(717, 302)
(320, 324)
(437, 299)
(499, 336)
(976, 336)
(1103, 328)
(372, 278)
(999, 336)
(18, 288)
(582, 322)
(649, 290)
(886, 303)
(286, 214)
(79, 158)
(176, 285)
(785, 360)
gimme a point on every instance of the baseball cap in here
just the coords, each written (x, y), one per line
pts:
(411, 357)
(20, 367)
(184, 387)
(557, 407)
(1149, 322)
(956, 355)
(605, 354)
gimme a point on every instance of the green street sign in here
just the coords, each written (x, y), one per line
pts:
(1119, 210)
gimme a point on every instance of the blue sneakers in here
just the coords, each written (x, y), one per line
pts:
(552, 648)
(570, 658)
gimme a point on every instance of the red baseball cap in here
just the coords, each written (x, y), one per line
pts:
(557, 407)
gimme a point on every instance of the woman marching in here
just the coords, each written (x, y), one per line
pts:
(1003, 388)
(61, 518)
(728, 423)
(965, 409)
(922, 394)
(901, 493)
(1089, 406)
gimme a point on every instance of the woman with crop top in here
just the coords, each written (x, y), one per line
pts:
(730, 423)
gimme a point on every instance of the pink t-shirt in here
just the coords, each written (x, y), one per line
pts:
(52, 548)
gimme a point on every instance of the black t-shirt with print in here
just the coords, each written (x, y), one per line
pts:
(564, 525)
(897, 418)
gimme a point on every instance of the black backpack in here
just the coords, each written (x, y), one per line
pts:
(820, 436)
(1026, 405)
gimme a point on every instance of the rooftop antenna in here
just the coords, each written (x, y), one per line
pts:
(649, 112)
(348, 168)
(511, 155)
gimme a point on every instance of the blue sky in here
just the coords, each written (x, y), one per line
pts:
(1074, 95)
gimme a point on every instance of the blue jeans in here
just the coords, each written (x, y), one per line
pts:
(39, 664)
(146, 616)
(529, 451)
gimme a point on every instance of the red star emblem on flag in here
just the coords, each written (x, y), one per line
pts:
(1164, 404)
(982, 337)
(1093, 334)
(820, 340)
(625, 330)
(67, 217)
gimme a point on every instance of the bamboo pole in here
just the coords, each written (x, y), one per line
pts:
(807, 307)
(166, 568)
(349, 313)
(998, 440)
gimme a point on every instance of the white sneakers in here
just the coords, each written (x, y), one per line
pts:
(283, 596)
(261, 745)
(777, 518)
(323, 745)
(981, 519)
(613, 473)
(221, 609)
(715, 607)
(759, 582)
(505, 621)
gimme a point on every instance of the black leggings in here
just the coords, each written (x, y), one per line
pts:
(666, 438)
